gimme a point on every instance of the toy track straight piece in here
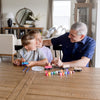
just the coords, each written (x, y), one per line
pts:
(27, 69)
(24, 68)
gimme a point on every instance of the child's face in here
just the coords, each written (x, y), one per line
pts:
(39, 40)
(31, 46)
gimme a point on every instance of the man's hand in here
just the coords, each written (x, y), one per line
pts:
(57, 62)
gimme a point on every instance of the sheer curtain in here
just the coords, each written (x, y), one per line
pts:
(0, 9)
(0, 17)
(49, 16)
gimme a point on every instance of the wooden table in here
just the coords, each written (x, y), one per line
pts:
(16, 85)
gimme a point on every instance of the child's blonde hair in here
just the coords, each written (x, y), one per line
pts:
(29, 36)
(33, 32)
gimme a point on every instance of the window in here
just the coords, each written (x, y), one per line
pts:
(61, 13)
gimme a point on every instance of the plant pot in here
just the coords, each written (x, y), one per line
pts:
(81, 1)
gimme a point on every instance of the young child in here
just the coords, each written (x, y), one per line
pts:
(44, 49)
(30, 53)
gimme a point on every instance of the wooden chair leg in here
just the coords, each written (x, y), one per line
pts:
(12, 58)
(55, 54)
(60, 54)
(1, 58)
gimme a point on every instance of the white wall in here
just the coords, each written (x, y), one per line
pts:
(37, 6)
(97, 55)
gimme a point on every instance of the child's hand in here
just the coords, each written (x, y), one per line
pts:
(22, 60)
(31, 63)
(17, 62)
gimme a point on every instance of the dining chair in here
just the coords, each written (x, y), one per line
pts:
(58, 48)
(7, 45)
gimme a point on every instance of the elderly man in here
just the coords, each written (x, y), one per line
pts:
(77, 47)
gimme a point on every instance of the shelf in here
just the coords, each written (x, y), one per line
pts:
(20, 30)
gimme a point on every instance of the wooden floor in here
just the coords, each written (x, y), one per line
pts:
(16, 85)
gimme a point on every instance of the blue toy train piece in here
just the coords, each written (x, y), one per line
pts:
(25, 63)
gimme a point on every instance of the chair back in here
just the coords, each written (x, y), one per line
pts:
(58, 48)
(7, 43)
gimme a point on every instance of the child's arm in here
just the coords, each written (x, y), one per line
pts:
(37, 63)
(20, 58)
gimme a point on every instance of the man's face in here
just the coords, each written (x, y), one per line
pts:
(74, 37)
(31, 46)
(39, 40)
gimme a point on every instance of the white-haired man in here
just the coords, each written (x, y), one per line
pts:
(77, 47)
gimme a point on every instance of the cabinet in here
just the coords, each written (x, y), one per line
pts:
(20, 31)
(83, 13)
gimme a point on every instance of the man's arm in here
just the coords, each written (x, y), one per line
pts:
(47, 42)
(87, 55)
(37, 63)
(77, 63)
